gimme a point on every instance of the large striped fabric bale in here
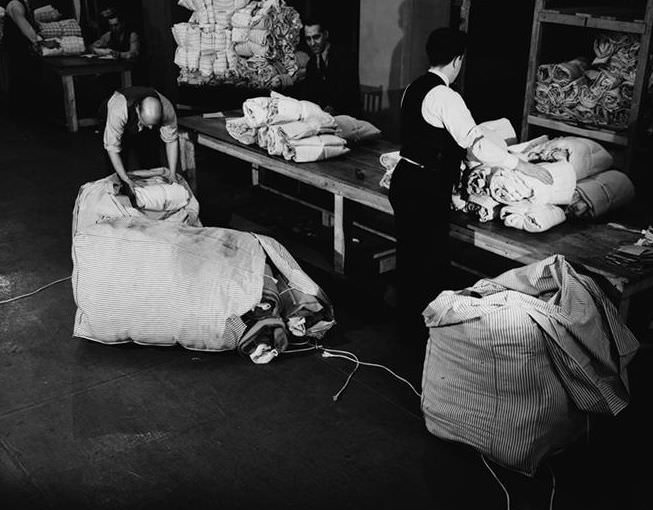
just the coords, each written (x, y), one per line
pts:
(162, 283)
(514, 364)
(101, 200)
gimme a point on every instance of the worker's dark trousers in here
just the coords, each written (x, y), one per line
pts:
(420, 200)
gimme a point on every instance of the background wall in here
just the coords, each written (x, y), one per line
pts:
(391, 48)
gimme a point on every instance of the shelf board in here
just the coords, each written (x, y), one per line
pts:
(591, 19)
(604, 135)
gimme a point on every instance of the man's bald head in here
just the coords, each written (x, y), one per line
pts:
(150, 112)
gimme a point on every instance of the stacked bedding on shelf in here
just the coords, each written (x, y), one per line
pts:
(297, 130)
(599, 93)
(252, 44)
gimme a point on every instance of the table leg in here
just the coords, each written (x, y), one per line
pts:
(187, 159)
(338, 234)
(256, 174)
(126, 78)
(70, 104)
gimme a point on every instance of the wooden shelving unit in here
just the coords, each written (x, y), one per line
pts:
(612, 19)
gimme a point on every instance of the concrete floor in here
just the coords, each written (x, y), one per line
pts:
(83, 425)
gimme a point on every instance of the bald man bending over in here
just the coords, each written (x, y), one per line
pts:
(130, 139)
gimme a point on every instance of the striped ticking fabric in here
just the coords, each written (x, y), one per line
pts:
(513, 364)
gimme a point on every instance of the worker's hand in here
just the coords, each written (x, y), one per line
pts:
(50, 44)
(536, 171)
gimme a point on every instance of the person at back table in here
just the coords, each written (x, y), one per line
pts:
(435, 129)
(121, 40)
(138, 121)
(331, 79)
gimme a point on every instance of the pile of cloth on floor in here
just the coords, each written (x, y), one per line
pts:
(208, 289)
(597, 93)
(516, 364)
(157, 197)
(253, 44)
(298, 130)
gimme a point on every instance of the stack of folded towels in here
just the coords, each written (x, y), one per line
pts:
(297, 130)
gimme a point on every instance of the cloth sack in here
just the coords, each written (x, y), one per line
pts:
(514, 363)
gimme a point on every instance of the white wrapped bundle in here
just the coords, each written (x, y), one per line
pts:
(239, 34)
(162, 197)
(206, 64)
(193, 59)
(315, 148)
(180, 33)
(510, 186)
(240, 130)
(72, 45)
(532, 217)
(256, 111)
(181, 57)
(220, 63)
(223, 18)
(258, 36)
(220, 40)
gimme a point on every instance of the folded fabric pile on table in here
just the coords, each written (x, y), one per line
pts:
(600, 94)
(297, 130)
(253, 44)
(65, 27)
(68, 45)
(46, 14)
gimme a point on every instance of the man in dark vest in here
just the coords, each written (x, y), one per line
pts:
(130, 137)
(121, 40)
(435, 129)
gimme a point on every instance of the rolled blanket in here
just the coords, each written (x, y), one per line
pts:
(601, 193)
(484, 207)
(287, 109)
(612, 99)
(626, 89)
(510, 186)
(586, 156)
(239, 34)
(542, 93)
(566, 72)
(315, 148)
(256, 111)
(544, 73)
(608, 43)
(532, 218)
(588, 97)
(277, 142)
(355, 130)
(239, 129)
(584, 115)
(161, 197)
(571, 93)
(602, 115)
(606, 81)
(478, 180)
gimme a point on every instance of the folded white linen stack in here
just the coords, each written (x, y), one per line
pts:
(161, 197)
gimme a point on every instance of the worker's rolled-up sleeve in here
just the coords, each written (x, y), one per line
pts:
(168, 128)
(116, 120)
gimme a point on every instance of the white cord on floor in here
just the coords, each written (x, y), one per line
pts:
(498, 481)
(35, 292)
(553, 487)
(335, 353)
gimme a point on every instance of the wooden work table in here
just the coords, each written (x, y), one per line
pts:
(69, 67)
(355, 176)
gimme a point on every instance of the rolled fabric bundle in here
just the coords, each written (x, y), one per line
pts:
(607, 80)
(602, 115)
(220, 66)
(206, 64)
(608, 43)
(258, 36)
(612, 99)
(180, 32)
(544, 73)
(531, 217)
(555, 95)
(601, 193)
(541, 92)
(510, 186)
(621, 117)
(478, 180)
(220, 40)
(571, 93)
(181, 58)
(223, 18)
(566, 72)
(355, 130)
(587, 157)
(626, 90)
(276, 140)
(315, 148)
(592, 74)
(256, 111)
(239, 129)
(304, 128)
(484, 207)
(239, 34)
(588, 97)
(162, 197)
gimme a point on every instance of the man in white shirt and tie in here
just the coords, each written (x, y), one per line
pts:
(435, 129)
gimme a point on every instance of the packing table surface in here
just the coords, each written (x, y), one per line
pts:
(355, 176)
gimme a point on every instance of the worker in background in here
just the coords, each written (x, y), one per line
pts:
(120, 41)
(136, 118)
(331, 78)
(23, 44)
(435, 129)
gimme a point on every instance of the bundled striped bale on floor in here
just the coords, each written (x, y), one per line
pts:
(514, 364)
